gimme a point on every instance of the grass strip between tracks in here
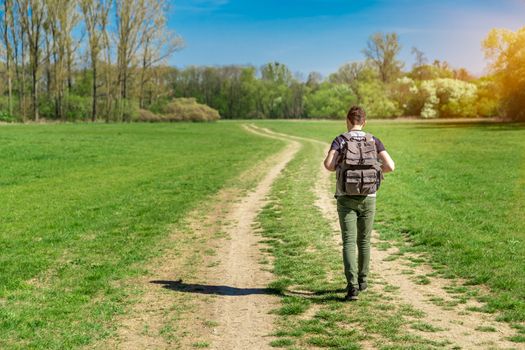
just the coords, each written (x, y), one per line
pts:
(309, 275)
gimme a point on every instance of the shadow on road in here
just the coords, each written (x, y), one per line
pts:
(180, 286)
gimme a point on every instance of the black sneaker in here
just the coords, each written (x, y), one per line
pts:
(362, 286)
(352, 294)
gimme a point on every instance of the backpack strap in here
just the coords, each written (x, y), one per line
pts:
(368, 137)
(346, 136)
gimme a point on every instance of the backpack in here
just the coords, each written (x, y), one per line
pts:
(359, 170)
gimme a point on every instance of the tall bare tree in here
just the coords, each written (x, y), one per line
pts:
(9, 47)
(157, 42)
(95, 14)
(420, 58)
(32, 17)
(18, 47)
(70, 18)
(38, 42)
(382, 51)
(7, 20)
(131, 16)
(110, 82)
(62, 17)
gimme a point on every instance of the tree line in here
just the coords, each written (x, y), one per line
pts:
(106, 59)
(380, 83)
(68, 59)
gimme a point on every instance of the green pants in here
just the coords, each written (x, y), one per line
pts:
(356, 217)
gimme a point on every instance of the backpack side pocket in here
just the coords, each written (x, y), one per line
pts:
(353, 182)
(370, 181)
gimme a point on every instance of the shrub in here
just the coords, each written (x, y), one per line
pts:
(148, 116)
(159, 105)
(77, 107)
(121, 109)
(4, 109)
(6, 117)
(188, 109)
(448, 98)
(46, 108)
(74, 107)
(127, 109)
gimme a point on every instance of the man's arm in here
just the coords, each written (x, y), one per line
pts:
(387, 162)
(330, 161)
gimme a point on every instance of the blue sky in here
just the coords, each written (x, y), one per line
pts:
(317, 35)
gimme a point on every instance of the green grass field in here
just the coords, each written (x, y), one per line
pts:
(85, 206)
(458, 193)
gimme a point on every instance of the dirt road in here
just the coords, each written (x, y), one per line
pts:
(225, 296)
(243, 303)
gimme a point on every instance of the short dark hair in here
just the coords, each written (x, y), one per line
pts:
(356, 115)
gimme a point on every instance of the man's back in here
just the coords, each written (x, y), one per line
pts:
(356, 212)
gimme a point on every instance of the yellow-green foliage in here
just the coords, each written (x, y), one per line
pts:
(188, 109)
(181, 109)
(148, 116)
(505, 49)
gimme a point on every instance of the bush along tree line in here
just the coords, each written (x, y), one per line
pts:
(106, 60)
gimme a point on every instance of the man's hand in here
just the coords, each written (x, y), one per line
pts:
(387, 162)
(330, 162)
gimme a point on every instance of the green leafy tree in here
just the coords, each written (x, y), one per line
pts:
(330, 101)
(488, 99)
(504, 48)
(277, 73)
(436, 70)
(314, 80)
(375, 99)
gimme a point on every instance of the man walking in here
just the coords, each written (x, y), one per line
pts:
(359, 160)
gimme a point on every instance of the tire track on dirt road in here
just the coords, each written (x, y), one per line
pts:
(456, 326)
(208, 288)
(243, 303)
